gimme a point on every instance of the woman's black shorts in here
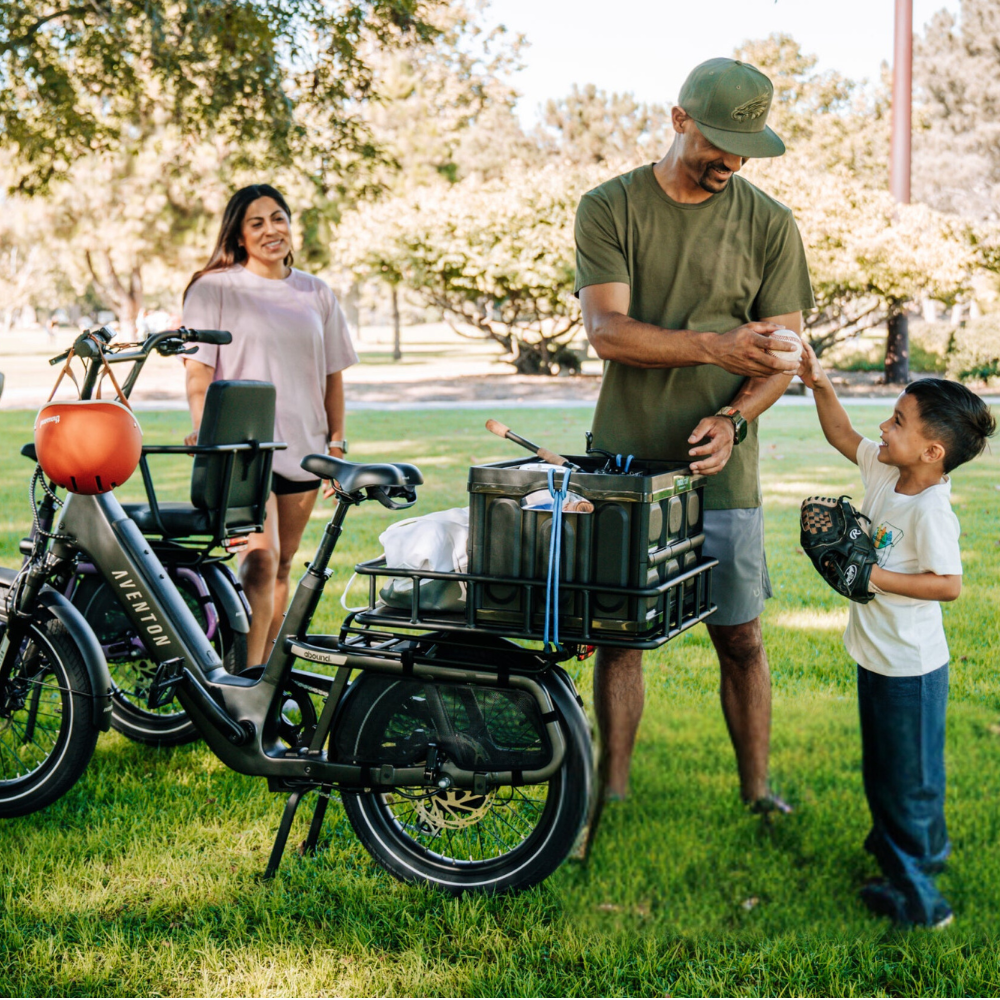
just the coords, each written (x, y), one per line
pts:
(283, 487)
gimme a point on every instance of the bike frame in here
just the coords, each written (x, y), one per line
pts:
(238, 716)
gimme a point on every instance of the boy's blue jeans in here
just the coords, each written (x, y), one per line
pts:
(902, 742)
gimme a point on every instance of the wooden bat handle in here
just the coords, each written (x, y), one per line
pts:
(551, 457)
(502, 430)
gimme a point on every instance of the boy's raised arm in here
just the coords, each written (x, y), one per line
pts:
(833, 417)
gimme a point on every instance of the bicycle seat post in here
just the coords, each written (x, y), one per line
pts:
(331, 534)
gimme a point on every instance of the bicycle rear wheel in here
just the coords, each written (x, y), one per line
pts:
(47, 732)
(505, 840)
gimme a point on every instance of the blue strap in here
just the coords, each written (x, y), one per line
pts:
(555, 558)
(628, 462)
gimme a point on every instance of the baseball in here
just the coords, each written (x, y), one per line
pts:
(793, 338)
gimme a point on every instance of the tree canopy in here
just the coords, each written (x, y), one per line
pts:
(279, 78)
(496, 256)
(956, 142)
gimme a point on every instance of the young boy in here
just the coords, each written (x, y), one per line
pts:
(898, 638)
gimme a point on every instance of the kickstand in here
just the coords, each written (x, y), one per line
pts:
(322, 801)
(283, 829)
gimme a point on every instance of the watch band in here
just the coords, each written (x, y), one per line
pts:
(342, 445)
(738, 421)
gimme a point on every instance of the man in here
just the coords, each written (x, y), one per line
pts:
(683, 269)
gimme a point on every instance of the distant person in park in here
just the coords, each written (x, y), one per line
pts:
(683, 269)
(288, 328)
(897, 639)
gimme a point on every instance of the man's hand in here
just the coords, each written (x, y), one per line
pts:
(192, 438)
(714, 437)
(743, 351)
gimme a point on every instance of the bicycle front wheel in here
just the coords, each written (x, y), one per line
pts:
(47, 733)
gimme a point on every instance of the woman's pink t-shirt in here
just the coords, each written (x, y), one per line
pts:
(291, 332)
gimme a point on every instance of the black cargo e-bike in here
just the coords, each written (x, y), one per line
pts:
(462, 759)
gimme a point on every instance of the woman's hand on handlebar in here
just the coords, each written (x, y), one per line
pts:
(191, 438)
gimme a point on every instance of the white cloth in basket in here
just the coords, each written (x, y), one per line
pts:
(438, 541)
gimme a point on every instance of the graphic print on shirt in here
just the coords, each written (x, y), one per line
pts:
(884, 537)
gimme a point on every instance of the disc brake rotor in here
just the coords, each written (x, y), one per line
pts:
(454, 809)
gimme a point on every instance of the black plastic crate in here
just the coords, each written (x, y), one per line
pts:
(645, 530)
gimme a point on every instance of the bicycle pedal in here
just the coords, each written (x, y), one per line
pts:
(164, 684)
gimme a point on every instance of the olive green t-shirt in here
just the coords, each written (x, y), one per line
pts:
(713, 266)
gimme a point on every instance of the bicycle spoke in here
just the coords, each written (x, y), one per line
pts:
(24, 769)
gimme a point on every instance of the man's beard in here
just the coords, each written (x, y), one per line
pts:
(712, 184)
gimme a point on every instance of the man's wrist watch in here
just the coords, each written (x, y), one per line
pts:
(739, 424)
(342, 445)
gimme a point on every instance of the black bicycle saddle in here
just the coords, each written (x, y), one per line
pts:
(354, 476)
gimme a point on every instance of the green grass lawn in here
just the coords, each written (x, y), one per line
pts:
(144, 879)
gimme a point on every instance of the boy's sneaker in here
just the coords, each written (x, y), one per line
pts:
(884, 900)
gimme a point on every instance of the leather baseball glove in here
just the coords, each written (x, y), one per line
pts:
(836, 541)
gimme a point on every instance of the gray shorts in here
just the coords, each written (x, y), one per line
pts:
(740, 583)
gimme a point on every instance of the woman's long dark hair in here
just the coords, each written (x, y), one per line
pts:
(228, 252)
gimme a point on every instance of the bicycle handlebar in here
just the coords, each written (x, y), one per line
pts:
(91, 342)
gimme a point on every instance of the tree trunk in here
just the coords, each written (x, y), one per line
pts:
(397, 350)
(126, 301)
(351, 307)
(897, 350)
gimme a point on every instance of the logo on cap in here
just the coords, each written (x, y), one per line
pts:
(752, 109)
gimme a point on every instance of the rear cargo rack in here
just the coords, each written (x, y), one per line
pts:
(674, 605)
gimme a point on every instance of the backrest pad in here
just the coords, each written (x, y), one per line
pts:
(236, 410)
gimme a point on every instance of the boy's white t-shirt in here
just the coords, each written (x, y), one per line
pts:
(893, 635)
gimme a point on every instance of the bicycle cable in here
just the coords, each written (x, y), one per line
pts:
(39, 530)
(12, 599)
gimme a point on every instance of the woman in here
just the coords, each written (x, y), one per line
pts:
(289, 329)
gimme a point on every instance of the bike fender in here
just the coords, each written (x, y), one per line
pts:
(90, 649)
(564, 695)
(556, 682)
(222, 585)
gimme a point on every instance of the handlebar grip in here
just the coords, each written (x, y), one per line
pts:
(208, 337)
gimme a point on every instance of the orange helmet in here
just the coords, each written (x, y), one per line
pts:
(87, 445)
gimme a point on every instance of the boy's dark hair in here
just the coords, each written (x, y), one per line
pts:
(955, 415)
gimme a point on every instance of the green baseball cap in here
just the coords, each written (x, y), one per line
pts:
(729, 101)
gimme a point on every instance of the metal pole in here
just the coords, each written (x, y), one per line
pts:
(902, 87)
(897, 345)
